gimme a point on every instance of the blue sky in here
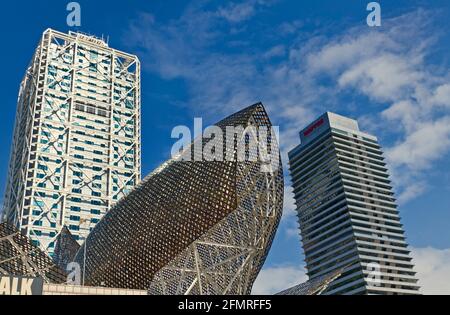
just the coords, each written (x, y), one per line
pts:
(300, 58)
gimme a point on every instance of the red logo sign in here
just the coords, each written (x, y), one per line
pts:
(313, 127)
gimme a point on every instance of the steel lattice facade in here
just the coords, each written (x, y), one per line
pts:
(76, 145)
(316, 286)
(192, 227)
(66, 248)
(20, 257)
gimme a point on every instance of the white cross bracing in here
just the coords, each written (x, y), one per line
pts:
(77, 137)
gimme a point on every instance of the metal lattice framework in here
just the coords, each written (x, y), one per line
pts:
(76, 145)
(315, 286)
(66, 248)
(19, 257)
(192, 227)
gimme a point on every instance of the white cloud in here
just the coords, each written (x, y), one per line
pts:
(428, 143)
(442, 95)
(389, 69)
(411, 191)
(408, 99)
(276, 279)
(293, 232)
(237, 12)
(288, 28)
(382, 78)
(405, 111)
(276, 51)
(344, 51)
(433, 270)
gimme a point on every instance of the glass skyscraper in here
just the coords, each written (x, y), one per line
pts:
(76, 143)
(347, 211)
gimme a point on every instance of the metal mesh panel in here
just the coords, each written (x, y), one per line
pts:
(19, 257)
(313, 287)
(66, 248)
(191, 227)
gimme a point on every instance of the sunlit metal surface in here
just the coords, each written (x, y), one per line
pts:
(19, 257)
(191, 227)
(66, 248)
(313, 287)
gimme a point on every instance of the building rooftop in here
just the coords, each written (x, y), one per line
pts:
(89, 38)
(326, 122)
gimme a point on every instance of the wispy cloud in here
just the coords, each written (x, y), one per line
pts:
(384, 72)
(275, 51)
(291, 27)
(238, 12)
(427, 142)
(411, 191)
(433, 270)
